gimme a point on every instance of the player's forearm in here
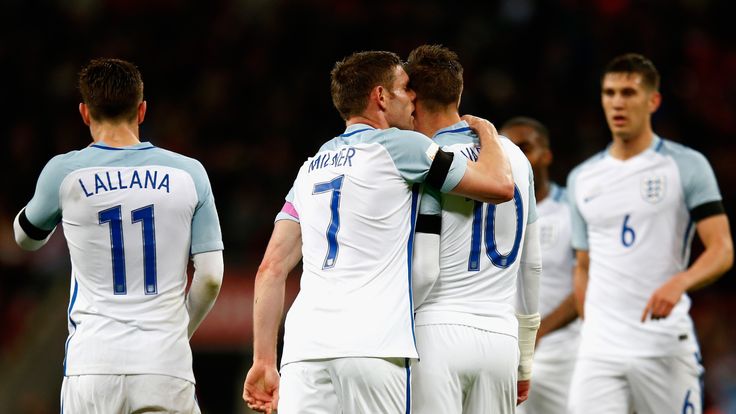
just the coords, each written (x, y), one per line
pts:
(28, 236)
(489, 179)
(715, 260)
(268, 306)
(560, 317)
(206, 283)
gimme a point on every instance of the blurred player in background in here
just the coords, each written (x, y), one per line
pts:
(133, 215)
(634, 208)
(470, 326)
(558, 336)
(350, 215)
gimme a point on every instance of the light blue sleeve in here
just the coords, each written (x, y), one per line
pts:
(532, 217)
(579, 228)
(408, 149)
(431, 202)
(206, 233)
(699, 183)
(44, 209)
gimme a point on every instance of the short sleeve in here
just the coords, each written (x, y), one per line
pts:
(579, 228)
(699, 183)
(44, 209)
(413, 155)
(288, 211)
(206, 233)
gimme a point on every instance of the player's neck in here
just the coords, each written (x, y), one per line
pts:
(624, 148)
(114, 134)
(375, 122)
(429, 122)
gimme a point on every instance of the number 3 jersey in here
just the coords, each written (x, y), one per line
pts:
(635, 217)
(132, 216)
(356, 205)
(481, 245)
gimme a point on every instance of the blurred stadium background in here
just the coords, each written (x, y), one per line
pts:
(243, 85)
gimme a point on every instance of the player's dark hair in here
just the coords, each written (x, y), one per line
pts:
(542, 130)
(436, 75)
(634, 63)
(353, 79)
(111, 88)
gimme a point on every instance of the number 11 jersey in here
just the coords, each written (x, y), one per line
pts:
(132, 216)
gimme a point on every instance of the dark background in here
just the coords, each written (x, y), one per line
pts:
(244, 87)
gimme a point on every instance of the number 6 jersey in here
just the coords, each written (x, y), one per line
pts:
(132, 216)
(636, 218)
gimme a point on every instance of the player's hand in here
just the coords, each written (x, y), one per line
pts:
(522, 392)
(664, 299)
(478, 124)
(261, 388)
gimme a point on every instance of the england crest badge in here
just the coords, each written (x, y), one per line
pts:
(653, 188)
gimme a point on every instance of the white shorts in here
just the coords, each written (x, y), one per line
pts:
(644, 385)
(550, 386)
(464, 370)
(345, 385)
(104, 394)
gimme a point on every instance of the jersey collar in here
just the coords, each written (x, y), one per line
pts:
(355, 128)
(136, 147)
(456, 128)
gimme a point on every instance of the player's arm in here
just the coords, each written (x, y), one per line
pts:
(261, 388)
(560, 317)
(489, 179)
(426, 260)
(713, 262)
(527, 306)
(206, 282)
(580, 280)
(27, 235)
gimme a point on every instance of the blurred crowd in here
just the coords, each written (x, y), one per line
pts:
(243, 85)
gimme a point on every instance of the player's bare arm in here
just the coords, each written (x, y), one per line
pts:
(489, 179)
(261, 388)
(580, 280)
(716, 259)
(560, 317)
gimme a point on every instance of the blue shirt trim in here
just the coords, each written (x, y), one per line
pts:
(347, 134)
(463, 129)
(69, 315)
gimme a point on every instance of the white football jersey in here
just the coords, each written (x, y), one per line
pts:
(557, 277)
(480, 245)
(356, 205)
(633, 217)
(132, 216)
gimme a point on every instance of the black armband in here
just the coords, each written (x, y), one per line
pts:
(712, 208)
(439, 168)
(429, 223)
(32, 231)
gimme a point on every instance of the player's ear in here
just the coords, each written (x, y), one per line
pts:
(654, 101)
(379, 95)
(141, 112)
(84, 112)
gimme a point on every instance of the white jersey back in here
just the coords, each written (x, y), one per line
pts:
(356, 205)
(633, 218)
(556, 282)
(480, 245)
(131, 216)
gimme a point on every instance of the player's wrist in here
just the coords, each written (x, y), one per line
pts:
(528, 327)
